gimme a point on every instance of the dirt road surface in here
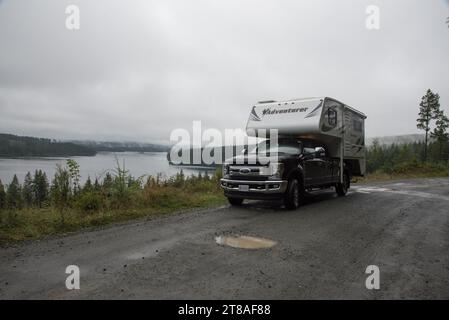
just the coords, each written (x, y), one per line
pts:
(322, 250)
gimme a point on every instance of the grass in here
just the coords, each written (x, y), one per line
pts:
(35, 223)
(407, 171)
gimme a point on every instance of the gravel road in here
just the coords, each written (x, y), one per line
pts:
(322, 251)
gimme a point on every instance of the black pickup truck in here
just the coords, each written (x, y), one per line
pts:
(285, 171)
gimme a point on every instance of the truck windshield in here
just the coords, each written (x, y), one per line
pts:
(283, 147)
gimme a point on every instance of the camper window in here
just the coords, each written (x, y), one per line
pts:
(357, 125)
(332, 117)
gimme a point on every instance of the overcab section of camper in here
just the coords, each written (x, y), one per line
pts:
(339, 127)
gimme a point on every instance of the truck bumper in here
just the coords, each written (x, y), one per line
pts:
(250, 189)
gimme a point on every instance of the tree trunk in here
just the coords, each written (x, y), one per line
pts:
(425, 148)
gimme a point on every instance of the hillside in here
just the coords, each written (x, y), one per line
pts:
(399, 139)
(113, 146)
(19, 146)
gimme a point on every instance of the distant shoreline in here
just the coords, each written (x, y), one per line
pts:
(63, 157)
(23, 147)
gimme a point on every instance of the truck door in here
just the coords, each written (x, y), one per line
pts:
(334, 170)
(317, 168)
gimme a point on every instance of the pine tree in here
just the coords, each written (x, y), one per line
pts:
(27, 190)
(430, 104)
(61, 190)
(97, 186)
(107, 184)
(88, 185)
(440, 130)
(14, 194)
(40, 187)
(2, 196)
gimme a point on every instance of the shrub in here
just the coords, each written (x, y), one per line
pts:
(89, 202)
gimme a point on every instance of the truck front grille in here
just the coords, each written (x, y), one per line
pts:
(246, 172)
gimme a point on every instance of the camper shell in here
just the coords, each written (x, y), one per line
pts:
(313, 144)
(338, 126)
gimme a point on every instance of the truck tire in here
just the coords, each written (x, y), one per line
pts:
(235, 201)
(293, 195)
(342, 188)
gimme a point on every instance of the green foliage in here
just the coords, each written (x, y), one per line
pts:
(387, 158)
(89, 201)
(99, 204)
(17, 146)
(440, 130)
(97, 186)
(120, 191)
(27, 190)
(14, 194)
(2, 195)
(106, 188)
(428, 111)
(74, 173)
(88, 187)
(61, 191)
(40, 188)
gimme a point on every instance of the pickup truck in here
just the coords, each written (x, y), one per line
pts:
(284, 171)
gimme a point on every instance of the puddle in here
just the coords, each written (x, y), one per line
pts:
(245, 242)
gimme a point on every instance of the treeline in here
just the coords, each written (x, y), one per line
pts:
(406, 157)
(18, 146)
(424, 156)
(122, 146)
(117, 190)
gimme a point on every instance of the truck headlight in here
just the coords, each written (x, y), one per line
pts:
(275, 170)
(225, 169)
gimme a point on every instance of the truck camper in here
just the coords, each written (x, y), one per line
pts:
(319, 143)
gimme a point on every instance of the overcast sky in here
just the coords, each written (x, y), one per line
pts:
(138, 69)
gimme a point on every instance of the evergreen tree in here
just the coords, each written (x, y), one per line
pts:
(97, 186)
(14, 194)
(88, 185)
(430, 104)
(40, 187)
(107, 184)
(440, 130)
(2, 196)
(61, 191)
(27, 190)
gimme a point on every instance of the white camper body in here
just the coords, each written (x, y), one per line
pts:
(339, 127)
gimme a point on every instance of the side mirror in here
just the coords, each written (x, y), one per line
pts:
(245, 151)
(320, 152)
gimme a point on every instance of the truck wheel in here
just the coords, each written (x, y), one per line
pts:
(342, 188)
(293, 194)
(235, 201)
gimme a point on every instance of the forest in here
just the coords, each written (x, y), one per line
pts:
(18, 146)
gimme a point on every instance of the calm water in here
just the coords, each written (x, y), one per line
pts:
(138, 164)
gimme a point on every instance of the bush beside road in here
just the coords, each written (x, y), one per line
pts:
(33, 210)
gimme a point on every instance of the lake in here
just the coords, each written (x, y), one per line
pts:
(138, 164)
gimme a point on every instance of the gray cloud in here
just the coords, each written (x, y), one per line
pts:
(138, 69)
